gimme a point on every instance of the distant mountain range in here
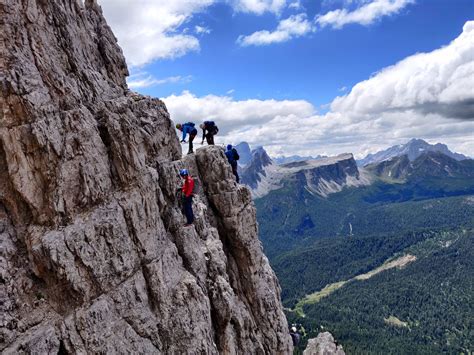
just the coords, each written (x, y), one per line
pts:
(335, 197)
(413, 149)
(319, 176)
(323, 222)
(246, 155)
(428, 165)
(325, 175)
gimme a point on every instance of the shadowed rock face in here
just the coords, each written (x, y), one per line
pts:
(245, 153)
(251, 174)
(95, 257)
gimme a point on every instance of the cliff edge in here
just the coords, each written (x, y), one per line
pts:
(94, 255)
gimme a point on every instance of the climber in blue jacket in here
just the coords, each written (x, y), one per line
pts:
(188, 128)
(232, 157)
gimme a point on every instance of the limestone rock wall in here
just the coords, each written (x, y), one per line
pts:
(94, 255)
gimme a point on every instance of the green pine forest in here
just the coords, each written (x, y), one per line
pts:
(426, 307)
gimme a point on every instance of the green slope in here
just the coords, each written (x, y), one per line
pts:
(292, 217)
(433, 296)
(314, 242)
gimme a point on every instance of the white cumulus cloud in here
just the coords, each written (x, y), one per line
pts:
(202, 30)
(292, 27)
(427, 95)
(366, 14)
(259, 7)
(148, 30)
(233, 114)
(440, 82)
(144, 80)
(295, 5)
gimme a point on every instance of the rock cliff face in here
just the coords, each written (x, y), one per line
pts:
(94, 255)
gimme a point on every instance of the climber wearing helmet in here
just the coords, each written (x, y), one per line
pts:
(188, 128)
(187, 190)
(209, 130)
(295, 336)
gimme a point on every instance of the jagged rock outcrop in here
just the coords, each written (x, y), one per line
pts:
(256, 169)
(245, 153)
(323, 344)
(95, 258)
(322, 176)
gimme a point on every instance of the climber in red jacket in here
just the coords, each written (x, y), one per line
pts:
(187, 190)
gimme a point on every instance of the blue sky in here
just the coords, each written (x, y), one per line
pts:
(313, 68)
(254, 64)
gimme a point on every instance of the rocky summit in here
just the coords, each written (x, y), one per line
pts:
(94, 254)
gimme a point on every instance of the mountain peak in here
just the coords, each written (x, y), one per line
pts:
(417, 141)
(260, 154)
(243, 148)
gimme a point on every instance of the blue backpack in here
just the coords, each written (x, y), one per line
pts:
(232, 156)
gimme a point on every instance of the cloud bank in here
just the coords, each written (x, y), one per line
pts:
(233, 115)
(150, 30)
(426, 95)
(439, 82)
